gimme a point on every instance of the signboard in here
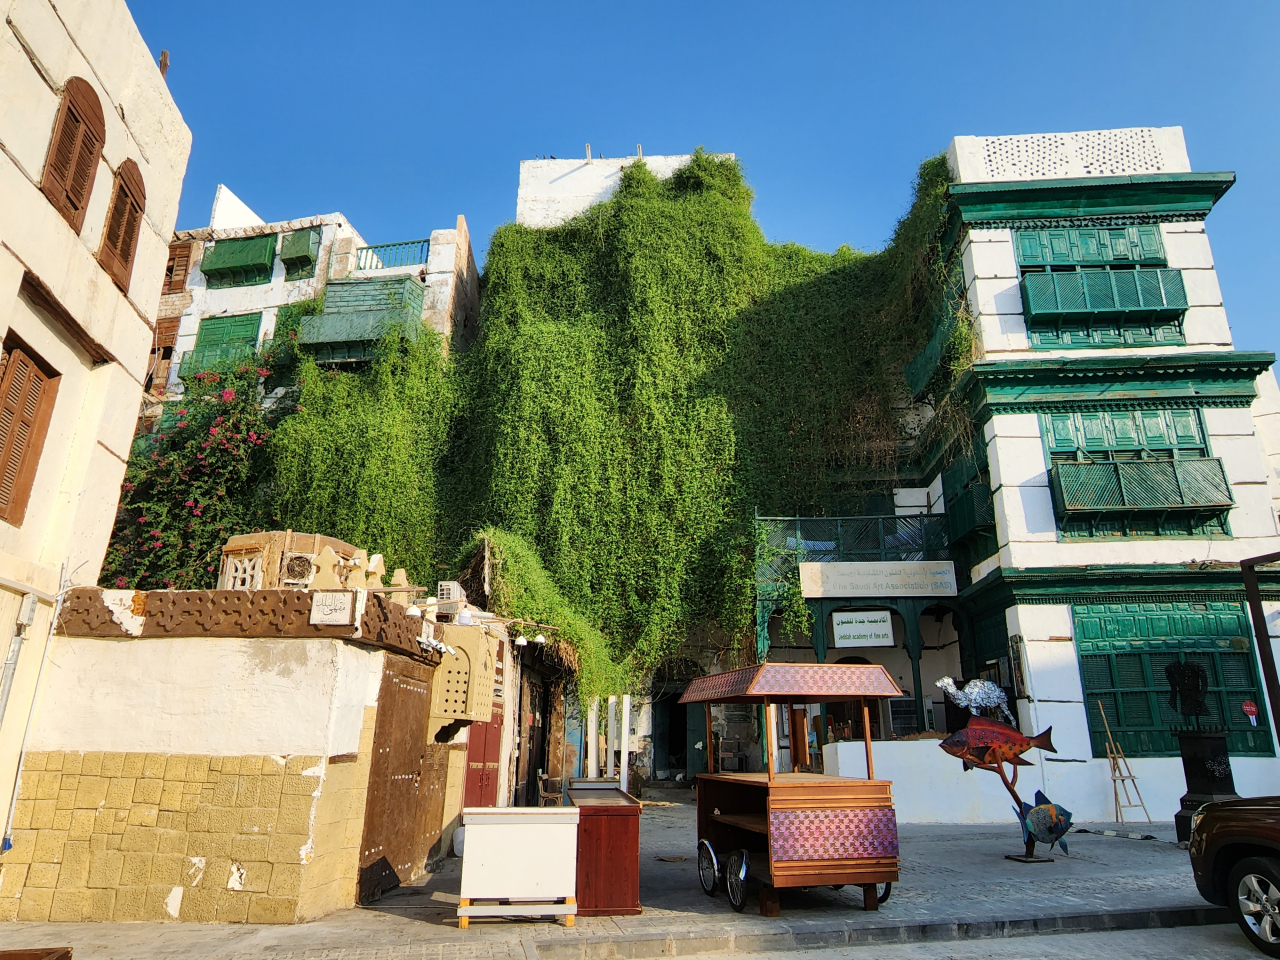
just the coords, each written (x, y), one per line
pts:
(861, 628)
(907, 578)
(1250, 710)
(333, 608)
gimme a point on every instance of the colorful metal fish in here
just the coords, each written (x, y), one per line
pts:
(989, 743)
(1046, 822)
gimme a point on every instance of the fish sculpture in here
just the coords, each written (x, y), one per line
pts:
(989, 743)
(1046, 822)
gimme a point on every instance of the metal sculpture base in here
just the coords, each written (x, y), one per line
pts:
(1029, 856)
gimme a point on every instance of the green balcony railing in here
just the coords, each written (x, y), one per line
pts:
(785, 541)
(1078, 294)
(1198, 484)
(971, 512)
(206, 358)
(389, 255)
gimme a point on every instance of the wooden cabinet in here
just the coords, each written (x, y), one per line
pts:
(608, 852)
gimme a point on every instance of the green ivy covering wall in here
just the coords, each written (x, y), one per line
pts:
(647, 377)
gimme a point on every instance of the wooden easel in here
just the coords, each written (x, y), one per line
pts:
(1121, 775)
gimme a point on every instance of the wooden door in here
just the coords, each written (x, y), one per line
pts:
(484, 746)
(492, 757)
(404, 810)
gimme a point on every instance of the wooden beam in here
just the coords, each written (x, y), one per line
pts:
(866, 738)
(711, 755)
(769, 723)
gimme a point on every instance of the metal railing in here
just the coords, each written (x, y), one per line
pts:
(782, 542)
(386, 256)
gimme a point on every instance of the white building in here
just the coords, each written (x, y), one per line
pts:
(92, 155)
(1125, 462)
(225, 283)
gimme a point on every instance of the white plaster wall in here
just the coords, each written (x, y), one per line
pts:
(909, 501)
(229, 211)
(222, 697)
(935, 494)
(1026, 528)
(1266, 423)
(359, 680)
(553, 191)
(930, 786)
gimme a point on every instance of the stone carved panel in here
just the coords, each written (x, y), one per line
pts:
(242, 613)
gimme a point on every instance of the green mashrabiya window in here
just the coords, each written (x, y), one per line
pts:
(1124, 649)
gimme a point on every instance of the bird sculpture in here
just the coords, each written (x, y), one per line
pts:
(977, 695)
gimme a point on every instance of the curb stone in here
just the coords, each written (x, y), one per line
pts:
(820, 934)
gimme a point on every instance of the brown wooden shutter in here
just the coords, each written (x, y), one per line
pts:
(74, 151)
(175, 273)
(124, 218)
(26, 402)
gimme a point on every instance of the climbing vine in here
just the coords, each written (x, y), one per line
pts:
(654, 371)
(358, 457)
(648, 377)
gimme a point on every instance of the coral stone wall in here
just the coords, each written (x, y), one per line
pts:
(148, 836)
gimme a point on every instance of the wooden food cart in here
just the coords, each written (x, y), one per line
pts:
(794, 829)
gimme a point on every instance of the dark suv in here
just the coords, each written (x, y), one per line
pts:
(1235, 855)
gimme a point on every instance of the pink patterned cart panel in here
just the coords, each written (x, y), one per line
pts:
(839, 834)
(794, 682)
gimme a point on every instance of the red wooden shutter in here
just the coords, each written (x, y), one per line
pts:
(120, 240)
(26, 395)
(78, 135)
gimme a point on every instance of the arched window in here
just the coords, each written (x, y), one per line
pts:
(78, 134)
(124, 219)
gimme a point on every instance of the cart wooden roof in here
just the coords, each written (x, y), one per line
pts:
(794, 683)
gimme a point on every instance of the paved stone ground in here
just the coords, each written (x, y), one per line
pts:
(955, 883)
(1190, 943)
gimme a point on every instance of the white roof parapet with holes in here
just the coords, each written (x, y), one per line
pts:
(1059, 156)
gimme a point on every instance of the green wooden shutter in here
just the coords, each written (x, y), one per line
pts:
(240, 262)
(298, 253)
(1123, 651)
(222, 340)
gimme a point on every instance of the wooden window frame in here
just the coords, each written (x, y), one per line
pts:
(79, 131)
(124, 225)
(173, 282)
(21, 465)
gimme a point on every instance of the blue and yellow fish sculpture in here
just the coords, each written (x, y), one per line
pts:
(1046, 822)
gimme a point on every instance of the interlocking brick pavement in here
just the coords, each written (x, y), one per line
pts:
(955, 884)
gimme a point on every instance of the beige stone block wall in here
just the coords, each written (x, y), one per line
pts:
(148, 836)
(330, 880)
(455, 786)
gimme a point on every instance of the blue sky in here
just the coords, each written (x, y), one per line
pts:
(402, 115)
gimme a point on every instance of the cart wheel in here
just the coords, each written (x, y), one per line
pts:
(882, 897)
(735, 879)
(708, 869)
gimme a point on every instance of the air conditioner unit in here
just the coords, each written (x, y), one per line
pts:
(450, 591)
